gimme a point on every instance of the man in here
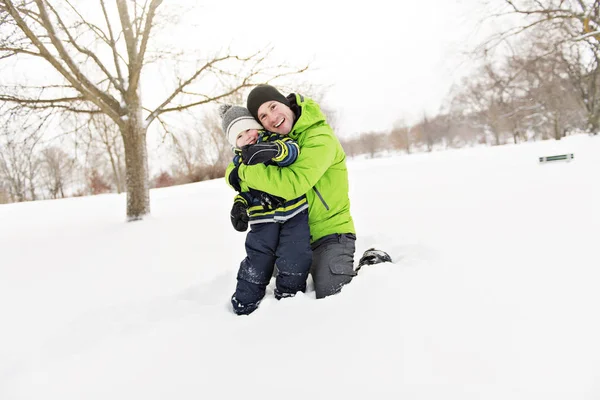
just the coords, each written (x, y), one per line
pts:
(319, 172)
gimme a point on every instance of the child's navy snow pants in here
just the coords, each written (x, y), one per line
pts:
(286, 244)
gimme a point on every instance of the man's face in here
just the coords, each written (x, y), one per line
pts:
(276, 117)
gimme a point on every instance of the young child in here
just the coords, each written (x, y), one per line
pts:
(279, 233)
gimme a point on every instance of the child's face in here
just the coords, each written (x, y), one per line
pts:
(249, 136)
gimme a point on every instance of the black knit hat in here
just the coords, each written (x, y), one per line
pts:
(260, 95)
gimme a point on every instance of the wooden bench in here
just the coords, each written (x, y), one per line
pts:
(558, 157)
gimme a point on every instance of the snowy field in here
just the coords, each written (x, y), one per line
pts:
(493, 292)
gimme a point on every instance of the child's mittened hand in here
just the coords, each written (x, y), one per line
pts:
(239, 216)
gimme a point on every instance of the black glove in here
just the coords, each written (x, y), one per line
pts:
(259, 153)
(239, 216)
(234, 179)
(270, 201)
(267, 201)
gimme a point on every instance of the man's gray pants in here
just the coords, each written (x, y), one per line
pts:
(332, 263)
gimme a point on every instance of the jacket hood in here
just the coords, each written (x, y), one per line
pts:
(310, 115)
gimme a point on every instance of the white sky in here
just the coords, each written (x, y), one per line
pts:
(384, 60)
(493, 293)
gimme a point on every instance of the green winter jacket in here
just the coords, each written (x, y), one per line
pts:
(319, 172)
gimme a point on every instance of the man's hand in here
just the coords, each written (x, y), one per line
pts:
(259, 153)
(267, 201)
(239, 216)
(270, 201)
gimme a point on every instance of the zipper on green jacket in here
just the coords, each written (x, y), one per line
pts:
(321, 198)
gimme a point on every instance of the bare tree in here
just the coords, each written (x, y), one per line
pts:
(13, 171)
(19, 165)
(4, 194)
(570, 29)
(372, 142)
(201, 149)
(56, 171)
(352, 146)
(428, 132)
(187, 148)
(96, 183)
(400, 137)
(217, 150)
(550, 92)
(583, 71)
(98, 53)
(484, 100)
(102, 140)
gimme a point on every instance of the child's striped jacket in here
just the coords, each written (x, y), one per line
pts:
(257, 211)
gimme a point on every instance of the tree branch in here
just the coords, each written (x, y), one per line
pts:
(85, 51)
(135, 77)
(91, 92)
(113, 45)
(161, 108)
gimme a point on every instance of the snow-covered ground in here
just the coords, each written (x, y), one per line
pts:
(493, 292)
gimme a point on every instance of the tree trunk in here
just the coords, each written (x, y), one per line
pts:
(593, 123)
(136, 166)
(496, 138)
(557, 128)
(516, 136)
(115, 165)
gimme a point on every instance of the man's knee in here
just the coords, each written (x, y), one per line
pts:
(330, 285)
(333, 264)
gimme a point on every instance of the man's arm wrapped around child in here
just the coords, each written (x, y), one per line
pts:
(282, 152)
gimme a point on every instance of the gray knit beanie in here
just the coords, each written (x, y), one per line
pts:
(260, 95)
(236, 119)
